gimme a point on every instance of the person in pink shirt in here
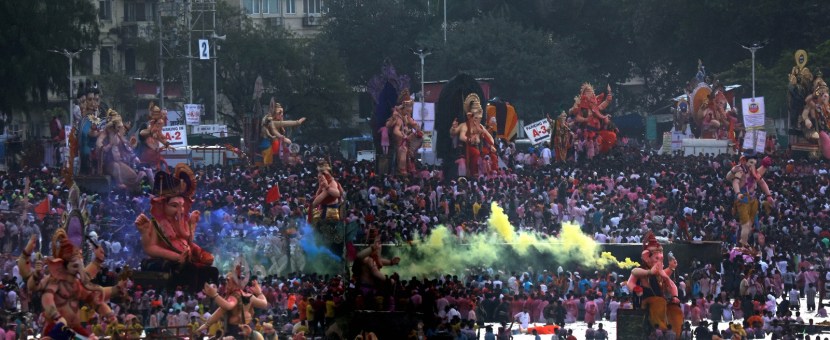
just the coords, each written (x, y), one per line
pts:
(384, 139)
(590, 311)
(694, 313)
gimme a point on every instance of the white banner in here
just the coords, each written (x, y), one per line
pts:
(755, 140)
(538, 132)
(760, 141)
(192, 113)
(426, 120)
(753, 112)
(174, 118)
(749, 140)
(176, 135)
(210, 129)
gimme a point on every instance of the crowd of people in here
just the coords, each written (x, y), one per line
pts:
(615, 197)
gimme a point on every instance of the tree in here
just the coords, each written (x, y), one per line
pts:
(538, 72)
(28, 29)
(305, 76)
(367, 32)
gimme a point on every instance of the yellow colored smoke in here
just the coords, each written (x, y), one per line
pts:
(442, 252)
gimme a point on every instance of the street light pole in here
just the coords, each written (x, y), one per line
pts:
(752, 49)
(422, 53)
(445, 22)
(70, 56)
(215, 57)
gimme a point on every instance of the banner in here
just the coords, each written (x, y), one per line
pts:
(210, 129)
(755, 140)
(174, 118)
(760, 141)
(426, 120)
(176, 135)
(538, 132)
(753, 112)
(192, 113)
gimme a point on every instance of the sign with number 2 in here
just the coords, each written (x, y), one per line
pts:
(204, 49)
(176, 135)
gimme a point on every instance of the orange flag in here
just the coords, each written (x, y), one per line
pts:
(42, 209)
(273, 194)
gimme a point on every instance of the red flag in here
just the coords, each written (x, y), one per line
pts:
(42, 209)
(273, 194)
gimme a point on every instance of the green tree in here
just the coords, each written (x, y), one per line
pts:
(537, 71)
(367, 32)
(306, 76)
(28, 29)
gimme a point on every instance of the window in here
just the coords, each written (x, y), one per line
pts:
(313, 6)
(249, 6)
(270, 6)
(129, 11)
(106, 60)
(105, 10)
(137, 11)
(257, 4)
(140, 11)
(85, 62)
(129, 61)
(290, 7)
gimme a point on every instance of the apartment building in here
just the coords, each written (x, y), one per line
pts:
(303, 17)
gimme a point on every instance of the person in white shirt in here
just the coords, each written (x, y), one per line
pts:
(546, 155)
(523, 318)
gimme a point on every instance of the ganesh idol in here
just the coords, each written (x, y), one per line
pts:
(274, 141)
(168, 233)
(587, 113)
(814, 120)
(67, 286)
(474, 140)
(405, 132)
(659, 297)
(325, 207)
(117, 153)
(151, 140)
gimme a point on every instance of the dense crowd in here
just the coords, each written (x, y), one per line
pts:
(615, 197)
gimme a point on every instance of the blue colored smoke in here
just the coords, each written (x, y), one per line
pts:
(308, 243)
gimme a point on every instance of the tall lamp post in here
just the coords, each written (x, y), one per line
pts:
(754, 47)
(70, 56)
(215, 57)
(422, 53)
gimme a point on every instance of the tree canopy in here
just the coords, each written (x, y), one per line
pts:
(28, 30)
(540, 51)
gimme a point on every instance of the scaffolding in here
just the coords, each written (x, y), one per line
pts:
(181, 24)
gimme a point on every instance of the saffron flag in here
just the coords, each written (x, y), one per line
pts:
(273, 194)
(42, 209)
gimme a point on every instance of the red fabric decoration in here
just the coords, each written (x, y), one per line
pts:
(273, 194)
(42, 209)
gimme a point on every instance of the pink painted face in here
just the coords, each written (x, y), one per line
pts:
(174, 207)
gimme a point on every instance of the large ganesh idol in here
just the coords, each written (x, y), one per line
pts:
(712, 116)
(588, 115)
(169, 230)
(659, 292)
(476, 145)
(167, 235)
(67, 286)
(815, 118)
